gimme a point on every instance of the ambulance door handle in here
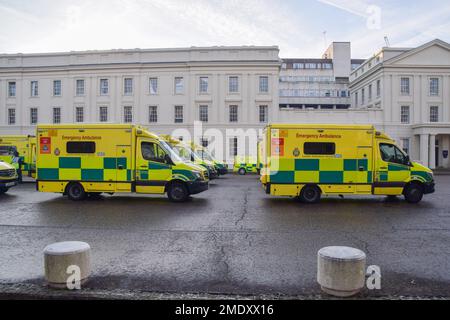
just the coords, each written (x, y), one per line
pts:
(143, 166)
(383, 168)
(361, 168)
(120, 167)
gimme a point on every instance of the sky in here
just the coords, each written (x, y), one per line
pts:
(301, 28)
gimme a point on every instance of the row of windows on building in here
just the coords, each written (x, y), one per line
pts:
(433, 86)
(103, 114)
(128, 86)
(405, 90)
(310, 65)
(405, 114)
(320, 93)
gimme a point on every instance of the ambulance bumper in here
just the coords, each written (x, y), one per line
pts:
(428, 187)
(8, 183)
(197, 186)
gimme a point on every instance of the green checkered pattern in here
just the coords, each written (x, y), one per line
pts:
(87, 169)
(325, 171)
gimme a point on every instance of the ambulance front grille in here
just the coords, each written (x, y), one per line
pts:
(7, 173)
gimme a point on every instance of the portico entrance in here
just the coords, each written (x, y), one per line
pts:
(434, 145)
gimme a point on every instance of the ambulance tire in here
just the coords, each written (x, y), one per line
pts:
(75, 191)
(310, 194)
(242, 171)
(3, 190)
(177, 192)
(413, 193)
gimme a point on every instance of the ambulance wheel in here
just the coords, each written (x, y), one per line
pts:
(177, 192)
(242, 171)
(3, 190)
(310, 194)
(413, 193)
(75, 191)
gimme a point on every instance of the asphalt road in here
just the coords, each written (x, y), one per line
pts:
(232, 239)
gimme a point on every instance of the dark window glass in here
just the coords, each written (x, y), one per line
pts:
(319, 148)
(153, 152)
(391, 153)
(80, 147)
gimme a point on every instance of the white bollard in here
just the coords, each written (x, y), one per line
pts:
(67, 264)
(341, 270)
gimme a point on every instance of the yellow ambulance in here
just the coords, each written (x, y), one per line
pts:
(220, 166)
(308, 160)
(8, 177)
(81, 160)
(25, 145)
(245, 164)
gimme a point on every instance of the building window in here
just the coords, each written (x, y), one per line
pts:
(56, 115)
(405, 144)
(11, 116)
(152, 114)
(356, 99)
(203, 84)
(233, 84)
(327, 66)
(103, 114)
(283, 66)
(127, 114)
(363, 96)
(404, 86)
(179, 85)
(203, 113)
(233, 146)
(370, 92)
(263, 114)
(310, 66)
(79, 114)
(434, 114)
(34, 89)
(298, 65)
(57, 88)
(33, 115)
(264, 84)
(153, 83)
(80, 87)
(404, 114)
(233, 113)
(178, 114)
(11, 89)
(104, 87)
(128, 86)
(434, 86)
(378, 88)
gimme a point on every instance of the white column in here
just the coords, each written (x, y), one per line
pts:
(424, 149)
(432, 157)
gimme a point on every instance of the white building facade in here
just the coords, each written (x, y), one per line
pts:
(409, 90)
(163, 89)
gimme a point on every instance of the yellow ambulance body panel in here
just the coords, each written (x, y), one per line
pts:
(308, 160)
(25, 146)
(96, 158)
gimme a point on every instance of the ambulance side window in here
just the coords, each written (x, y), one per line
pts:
(390, 153)
(152, 152)
(319, 148)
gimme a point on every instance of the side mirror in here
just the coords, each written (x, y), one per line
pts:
(408, 161)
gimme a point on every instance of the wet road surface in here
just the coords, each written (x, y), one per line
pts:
(231, 239)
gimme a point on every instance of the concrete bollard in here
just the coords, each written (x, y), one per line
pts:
(341, 270)
(64, 259)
